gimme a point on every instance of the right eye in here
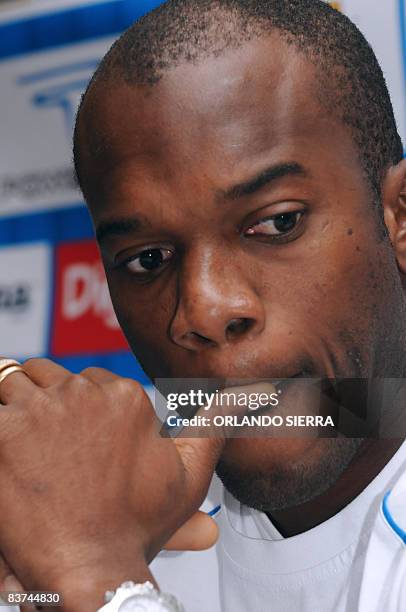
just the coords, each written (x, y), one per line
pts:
(149, 260)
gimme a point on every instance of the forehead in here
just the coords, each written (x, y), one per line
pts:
(219, 116)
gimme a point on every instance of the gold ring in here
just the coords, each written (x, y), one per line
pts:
(10, 370)
(6, 363)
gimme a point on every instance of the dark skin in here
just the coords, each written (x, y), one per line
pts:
(224, 301)
(191, 178)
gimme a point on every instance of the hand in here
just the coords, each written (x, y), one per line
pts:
(89, 490)
(198, 533)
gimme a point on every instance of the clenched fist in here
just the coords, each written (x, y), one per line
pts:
(90, 491)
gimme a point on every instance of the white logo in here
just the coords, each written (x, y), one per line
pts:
(85, 291)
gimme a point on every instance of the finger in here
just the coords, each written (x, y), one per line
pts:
(37, 373)
(15, 385)
(231, 401)
(199, 457)
(99, 375)
(199, 533)
(44, 372)
(200, 448)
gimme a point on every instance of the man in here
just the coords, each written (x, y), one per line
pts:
(242, 166)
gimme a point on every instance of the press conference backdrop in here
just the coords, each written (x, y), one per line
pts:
(54, 299)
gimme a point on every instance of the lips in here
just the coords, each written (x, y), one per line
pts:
(280, 380)
(261, 386)
(292, 392)
(282, 383)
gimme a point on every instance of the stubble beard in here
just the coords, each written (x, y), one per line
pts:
(291, 485)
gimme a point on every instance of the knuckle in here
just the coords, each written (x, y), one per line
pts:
(36, 363)
(132, 397)
(129, 388)
(90, 371)
(76, 395)
(78, 385)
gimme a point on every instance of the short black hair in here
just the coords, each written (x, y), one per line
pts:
(352, 82)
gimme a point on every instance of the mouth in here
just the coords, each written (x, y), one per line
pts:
(279, 382)
(292, 392)
(282, 384)
(281, 387)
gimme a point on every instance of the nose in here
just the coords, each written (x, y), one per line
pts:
(217, 304)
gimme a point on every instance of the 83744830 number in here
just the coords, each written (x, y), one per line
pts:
(36, 598)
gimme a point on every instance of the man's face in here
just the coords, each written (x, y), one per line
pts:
(239, 235)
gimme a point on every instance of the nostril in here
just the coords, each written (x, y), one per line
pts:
(237, 327)
(199, 340)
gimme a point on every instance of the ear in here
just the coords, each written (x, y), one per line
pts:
(394, 207)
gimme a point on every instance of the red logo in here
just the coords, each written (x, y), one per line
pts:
(84, 320)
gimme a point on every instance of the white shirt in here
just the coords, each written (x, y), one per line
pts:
(354, 562)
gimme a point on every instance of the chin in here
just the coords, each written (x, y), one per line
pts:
(275, 474)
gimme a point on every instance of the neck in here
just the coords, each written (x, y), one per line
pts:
(370, 459)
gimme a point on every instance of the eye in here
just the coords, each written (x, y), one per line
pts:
(277, 225)
(149, 260)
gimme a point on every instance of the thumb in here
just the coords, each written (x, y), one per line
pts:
(198, 533)
(200, 446)
(199, 457)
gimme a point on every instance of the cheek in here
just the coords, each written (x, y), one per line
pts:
(327, 297)
(351, 294)
(337, 274)
(144, 312)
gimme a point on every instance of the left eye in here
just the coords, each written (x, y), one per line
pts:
(149, 260)
(276, 225)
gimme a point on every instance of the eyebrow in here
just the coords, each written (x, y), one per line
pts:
(265, 177)
(125, 226)
(117, 227)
